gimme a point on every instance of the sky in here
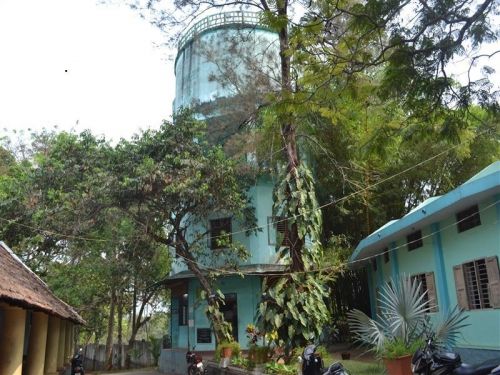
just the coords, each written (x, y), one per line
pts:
(85, 64)
(77, 64)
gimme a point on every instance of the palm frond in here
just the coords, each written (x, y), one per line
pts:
(366, 330)
(448, 328)
(403, 306)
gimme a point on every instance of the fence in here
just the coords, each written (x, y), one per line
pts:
(140, 353)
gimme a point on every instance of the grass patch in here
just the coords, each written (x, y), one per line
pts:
(364, 368)
(356, 367)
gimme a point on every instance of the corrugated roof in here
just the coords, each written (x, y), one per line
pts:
(19, 286)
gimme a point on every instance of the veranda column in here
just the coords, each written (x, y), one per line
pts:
(61, 348)
(52, 346)
(37, 344)
(67, 348)
(72, 340)
(12, 340)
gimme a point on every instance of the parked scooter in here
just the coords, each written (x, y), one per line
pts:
(431, 361)
(77, 364)
(312, 364)
(195, 363)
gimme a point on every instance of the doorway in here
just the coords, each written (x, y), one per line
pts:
(230, 311)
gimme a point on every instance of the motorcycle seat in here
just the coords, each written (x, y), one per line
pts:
(481, 369)
(447, 357)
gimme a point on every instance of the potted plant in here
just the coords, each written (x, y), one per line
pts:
(257, 354)
(345, 355)
(401, 322)
(228, 349)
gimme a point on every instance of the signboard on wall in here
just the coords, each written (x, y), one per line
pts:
(203, 336)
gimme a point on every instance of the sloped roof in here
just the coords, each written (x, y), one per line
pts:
(483, 184)
(19, 286)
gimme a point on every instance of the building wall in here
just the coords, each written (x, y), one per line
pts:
(475, 243)
(257, 243)
(248, 293)
(457, 248)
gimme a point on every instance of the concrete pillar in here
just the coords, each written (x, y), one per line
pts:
(52, 346)
(37, 344)
(72, 340)
(12, 340)
(62, 344)
(67, 348)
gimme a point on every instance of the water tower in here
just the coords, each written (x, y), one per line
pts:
(225, 63)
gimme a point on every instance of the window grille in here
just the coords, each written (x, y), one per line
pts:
(414, 240)
(468, 219)
(220, 230)
(427, 289)
(476, 284)
(281, 231)
(183, 311)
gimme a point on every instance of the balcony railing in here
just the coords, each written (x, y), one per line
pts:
(218, 20)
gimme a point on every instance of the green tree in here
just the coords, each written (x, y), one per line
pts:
(170, 181)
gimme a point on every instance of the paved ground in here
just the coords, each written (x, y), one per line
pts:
(128, 372)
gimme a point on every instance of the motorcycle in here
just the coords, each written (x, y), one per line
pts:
(195, 363)
(312, 364)
(431, 361)
(77, 364)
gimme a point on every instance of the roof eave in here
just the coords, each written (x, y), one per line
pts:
(459, 198)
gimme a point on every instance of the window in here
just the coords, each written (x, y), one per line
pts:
(278, 231)
(386, 255)
(183, 310)
(468, 219)
(478, 284)
(428, 289)
(220, 230)
(414, 240)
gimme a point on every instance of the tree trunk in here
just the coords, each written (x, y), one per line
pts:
(96, 347)
(289, 136)
(111, 326)
(120, 329)
(216, 318)
(128, 359)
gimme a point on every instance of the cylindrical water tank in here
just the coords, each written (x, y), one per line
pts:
(222, 57)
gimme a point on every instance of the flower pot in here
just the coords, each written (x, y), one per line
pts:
(345, 355)
(227, 352)
(398, 366)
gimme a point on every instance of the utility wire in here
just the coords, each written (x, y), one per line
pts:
(255, 228)
(332, 268)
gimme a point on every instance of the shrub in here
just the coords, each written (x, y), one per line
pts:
(258, 354)
(243, 363)
(397, 348)
(280, 369)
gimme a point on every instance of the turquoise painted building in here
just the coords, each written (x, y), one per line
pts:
(202, 53)
(451, 243)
